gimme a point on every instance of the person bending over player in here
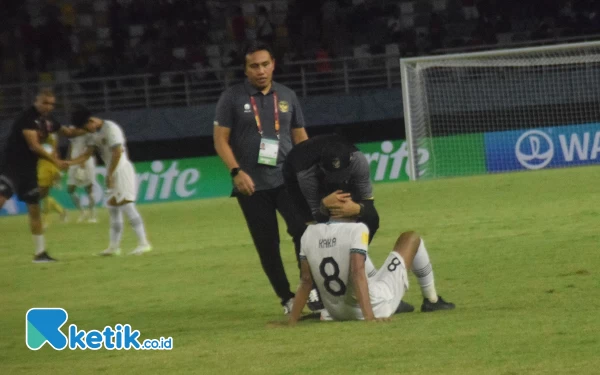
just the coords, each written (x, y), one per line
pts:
(335, 253)
(108, 138)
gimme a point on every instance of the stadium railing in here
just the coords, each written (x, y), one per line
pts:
(193, 87)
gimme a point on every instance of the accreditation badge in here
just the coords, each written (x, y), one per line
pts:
(269, 149)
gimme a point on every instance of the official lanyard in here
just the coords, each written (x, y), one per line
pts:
(275, 114)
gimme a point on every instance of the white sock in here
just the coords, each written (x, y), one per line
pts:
(116, 226)
(136, 222)
(75, 199)
(423, 270)
(92, 206)
(38, 240)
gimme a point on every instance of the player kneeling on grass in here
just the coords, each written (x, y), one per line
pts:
(335, 253)
(108, 138)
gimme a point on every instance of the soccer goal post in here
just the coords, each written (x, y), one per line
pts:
(502, 110)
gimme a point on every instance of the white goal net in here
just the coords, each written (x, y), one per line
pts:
(502, 110)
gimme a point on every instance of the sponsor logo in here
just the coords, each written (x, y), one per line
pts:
(534, 149)
(391, 162)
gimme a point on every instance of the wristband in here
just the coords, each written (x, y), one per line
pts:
(234, 172)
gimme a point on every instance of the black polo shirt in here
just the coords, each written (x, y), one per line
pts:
(18, 157)
(234, 111)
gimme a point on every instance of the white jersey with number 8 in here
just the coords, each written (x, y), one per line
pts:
(328, 247)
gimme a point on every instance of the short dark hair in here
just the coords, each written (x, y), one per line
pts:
(255, 46)
(80, 116)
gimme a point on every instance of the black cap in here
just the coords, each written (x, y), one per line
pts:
(335, 163)
(80, 116)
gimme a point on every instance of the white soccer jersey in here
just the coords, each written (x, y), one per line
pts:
(124, 186)
(105, 139)
(78, 145)
(327, 248)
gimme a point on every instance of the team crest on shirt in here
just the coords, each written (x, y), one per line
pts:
(336, 163)
(246, 108)
(284, 106)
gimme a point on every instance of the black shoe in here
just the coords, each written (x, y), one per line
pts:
(43, 258)
(429, 306)
(404, 307)
(314, 301)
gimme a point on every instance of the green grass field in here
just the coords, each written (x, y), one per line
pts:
(517, 253)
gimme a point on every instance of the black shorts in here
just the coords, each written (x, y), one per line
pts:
(295, 193)
(23, 184)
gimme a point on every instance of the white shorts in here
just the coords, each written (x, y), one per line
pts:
(82, 176)
(386, 289)
(124, 186)
(388, 286)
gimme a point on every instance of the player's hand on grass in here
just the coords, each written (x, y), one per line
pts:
(279, 324)
(243, 182)
(379, 320)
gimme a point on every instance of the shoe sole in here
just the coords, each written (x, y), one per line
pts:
(117, 253)
(44, 261)
(141, 252)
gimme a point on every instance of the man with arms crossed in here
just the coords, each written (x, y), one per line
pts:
(108, 137)
(335, 254)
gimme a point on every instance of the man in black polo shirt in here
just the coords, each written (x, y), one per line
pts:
(18, 166)
(257, 122)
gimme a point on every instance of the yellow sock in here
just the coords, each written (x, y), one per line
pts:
(45, 212)
(55, 206)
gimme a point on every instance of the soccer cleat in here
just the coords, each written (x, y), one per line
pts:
(314, 301)
(404, 307)
(43, 258)
(429, 306)
(92, 220)
(141, 249)
(110, 252)
(83, 217)
(287, 307)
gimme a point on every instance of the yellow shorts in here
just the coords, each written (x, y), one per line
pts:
(47, 173)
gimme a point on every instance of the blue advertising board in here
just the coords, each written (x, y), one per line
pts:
(13, 206)
(537, 148)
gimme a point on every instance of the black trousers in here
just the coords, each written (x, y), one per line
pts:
(260, 211)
